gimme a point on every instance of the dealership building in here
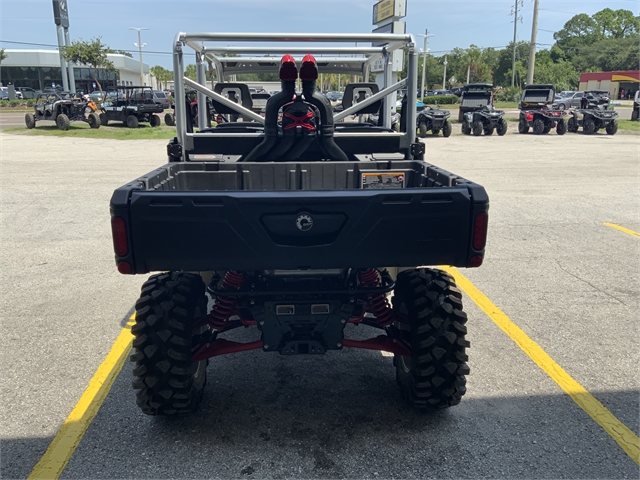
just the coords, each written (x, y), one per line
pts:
(613, 82)
(39, 69)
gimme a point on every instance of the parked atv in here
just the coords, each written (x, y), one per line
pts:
(62, 108)
(435, 120)
(594, 114)
(131, 105)
(475, 96)
(636, 107)
(486, 120)
(537, 112)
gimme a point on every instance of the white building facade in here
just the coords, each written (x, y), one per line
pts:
(40, 69)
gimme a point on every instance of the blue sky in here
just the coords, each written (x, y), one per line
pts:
(454, 23)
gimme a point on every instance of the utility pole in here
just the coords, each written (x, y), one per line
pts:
(515, 31)
(444, 75)
(532, 47)
(140, 46)
(424, 58)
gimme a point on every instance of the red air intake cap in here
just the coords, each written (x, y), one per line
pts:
(288, 69)
(309, 69)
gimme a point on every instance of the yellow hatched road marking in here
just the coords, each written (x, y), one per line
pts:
(626, 438)
(622, 229)
(74, 427)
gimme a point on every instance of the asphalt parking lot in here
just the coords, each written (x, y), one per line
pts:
(567, 280)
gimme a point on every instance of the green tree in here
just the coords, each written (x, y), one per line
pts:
(561, 73)
(162, 74)
(190, 71)
(92, 53)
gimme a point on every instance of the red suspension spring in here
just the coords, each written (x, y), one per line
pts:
(378, 305)
(225, 307)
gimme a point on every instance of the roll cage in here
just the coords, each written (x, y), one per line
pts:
(261, 58)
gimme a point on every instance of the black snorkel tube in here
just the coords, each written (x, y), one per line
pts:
(309, 75)
(288, 77)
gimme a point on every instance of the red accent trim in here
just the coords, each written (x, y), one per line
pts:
(299, 121)
(309, 69)
(381, 342)
(529, 116)
(119, 231)
(480, 231)
(378, 305)
(223, 347)
(124, 268)
(475, 261)
(288, 69)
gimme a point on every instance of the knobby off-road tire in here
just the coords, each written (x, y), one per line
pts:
(104, 121)
(132, 121)
(460, 117)
(62, 121)
(488, 131)
(477, 129)
(572, 125)
(167, 381)
(30, 120)
(612, 127)
(502, 127)
(588, 126)
(155, 121)
(561, 127)
(169, 119)
(538, 126)
(94, 120)
(522, 127)
(466, 129)
(446, 129)
(422, 130)
(434, 375)
(634, 115)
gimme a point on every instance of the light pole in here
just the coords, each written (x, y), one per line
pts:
(424, 57)
(444, 74)
(140, 46)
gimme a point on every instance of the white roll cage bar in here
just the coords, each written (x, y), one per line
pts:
(208, 49)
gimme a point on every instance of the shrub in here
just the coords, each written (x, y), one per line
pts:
(441, 99)
(509, 94)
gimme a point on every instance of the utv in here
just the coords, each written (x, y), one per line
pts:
(636, 107)
(297, 227)
(435, 120)
(536, 111)
(594, 113)
(130, 105)
(475, 96)
(62, 108)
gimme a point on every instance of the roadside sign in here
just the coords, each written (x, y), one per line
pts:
(386, 10)
(397, 62)
(61, 13)
(393, 27)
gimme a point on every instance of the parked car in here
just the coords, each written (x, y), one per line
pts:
(27, 92)
(6, 89)
(4, 95)
(96, 96)
(572, 100)
(161, 98)
(442, 92)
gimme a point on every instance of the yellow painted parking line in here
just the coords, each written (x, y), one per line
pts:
(74, 427)
(626, 438)
(622, 229)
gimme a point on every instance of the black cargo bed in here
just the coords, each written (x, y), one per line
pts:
(243, 216)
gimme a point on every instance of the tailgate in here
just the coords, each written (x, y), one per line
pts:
(256, 230)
